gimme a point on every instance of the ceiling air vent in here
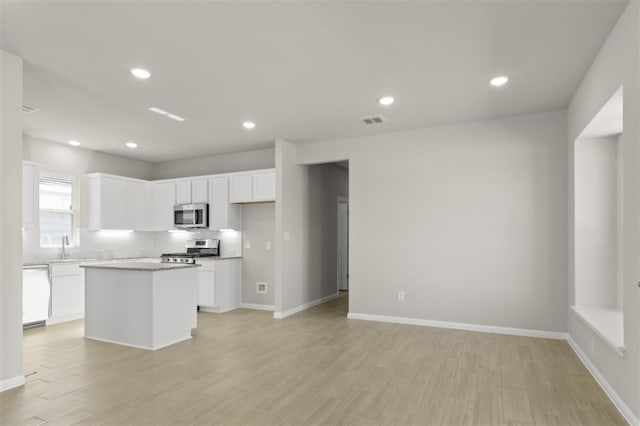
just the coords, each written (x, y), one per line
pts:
(373, 119)
(28, 109)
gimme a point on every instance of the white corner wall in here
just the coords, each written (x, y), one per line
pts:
(617, 64)
(469, 220)
(306, 231)
(11, 374)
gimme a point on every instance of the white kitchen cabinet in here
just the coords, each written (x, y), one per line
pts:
(207, 285)
(183, 192)
(117, 202)
(241, 188)
(264, 186)
(219, 285)
(67, 292)
(191, 191)
(135, 201)
(199, 191)
(253, 187)
(222, 214)
(30, 195)
(163, 195)
(105, 202)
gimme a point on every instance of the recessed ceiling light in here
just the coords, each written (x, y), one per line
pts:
(499, 81)
(140, 73)
(74, 143)
(248, 124)
(131, 144)
(386, 100)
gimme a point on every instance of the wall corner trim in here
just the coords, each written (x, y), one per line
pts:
(461, 326)
(12, 383)
(300, 308)
(258, 306)
(606, 387)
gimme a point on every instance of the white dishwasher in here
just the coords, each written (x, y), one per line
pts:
(36, 294)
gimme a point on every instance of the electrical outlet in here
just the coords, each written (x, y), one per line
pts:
(261, 287)
(287, 235)
(401, 296)
(247, 245)
(268, 245)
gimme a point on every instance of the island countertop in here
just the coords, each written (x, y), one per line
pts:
(140, 266)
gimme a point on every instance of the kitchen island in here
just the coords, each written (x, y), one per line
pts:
(147, 305)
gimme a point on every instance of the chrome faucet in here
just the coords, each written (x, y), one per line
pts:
(65, 242)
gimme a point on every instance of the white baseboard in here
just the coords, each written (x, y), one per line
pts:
(64, 318)
(258, 307)
(148, 348)
(461, 326)
(288, 313)
(12, 383)
(606, 387)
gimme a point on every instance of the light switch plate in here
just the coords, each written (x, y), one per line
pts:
(247, 244)
(268, 245)
(287, 236)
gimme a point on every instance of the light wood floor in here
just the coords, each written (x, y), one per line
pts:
(317, 367)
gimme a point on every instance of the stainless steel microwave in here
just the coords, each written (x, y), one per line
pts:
(191, 216)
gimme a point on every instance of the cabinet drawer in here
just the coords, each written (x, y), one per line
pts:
(66, 269)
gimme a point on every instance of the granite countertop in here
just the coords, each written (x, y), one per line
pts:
(140, 266)
(114, 259)
(218, 258)
(59, 261)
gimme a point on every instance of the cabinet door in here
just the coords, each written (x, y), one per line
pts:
(199, 193)
(183, 192)
(219, 203)
(228, 284)
(30, 196)
(164, 198)
(111, 203)
(133, 206)
(207, 288)
(241, 189)
(67, 295)
(264, 186)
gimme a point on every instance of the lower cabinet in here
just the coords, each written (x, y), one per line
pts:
(219, 284)
(67, 293)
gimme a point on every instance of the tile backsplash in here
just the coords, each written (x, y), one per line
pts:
(107, 245)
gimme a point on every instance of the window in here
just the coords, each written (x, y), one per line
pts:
(56, 210)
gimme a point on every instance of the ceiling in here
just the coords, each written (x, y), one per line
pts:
(303, 71)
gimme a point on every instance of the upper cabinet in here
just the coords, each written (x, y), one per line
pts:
(191, 191)
(253, 187)
(222, 214)
(116, 202)
(163, 198)
(30, 194)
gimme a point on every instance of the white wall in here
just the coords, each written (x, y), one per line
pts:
(11, 373)
(617, 64)
(258, 262)
(596, 222)
(236, 162)
(469, 220)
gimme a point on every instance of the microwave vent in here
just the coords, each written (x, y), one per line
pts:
(372, 119)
